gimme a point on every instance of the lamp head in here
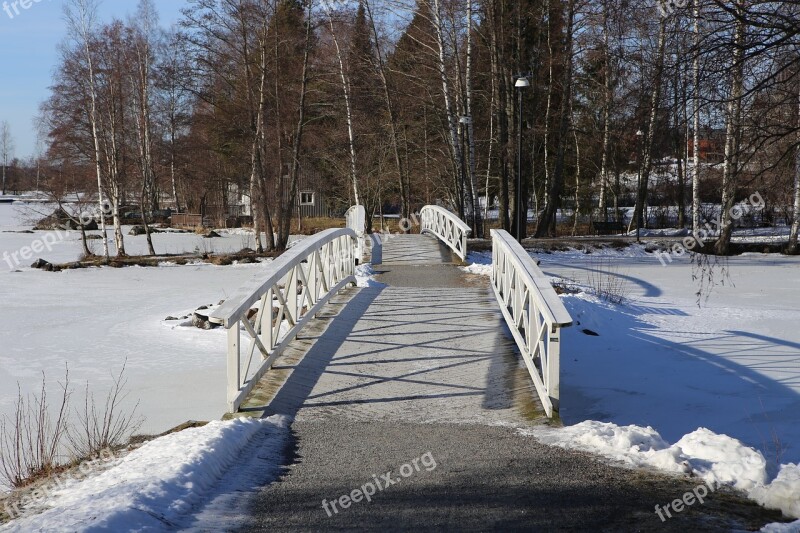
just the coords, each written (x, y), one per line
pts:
(522, 82)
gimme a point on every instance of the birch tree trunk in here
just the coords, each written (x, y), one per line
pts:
(607, 96)
(792, 249)
(499, 96)
(547, 225)
(455, 145)
(143, 118)
(405, 200)
(730, 172)
(477, 224)
(696, 120)
(80, 16)
(284, 229)
(639, 213)
(348, 108)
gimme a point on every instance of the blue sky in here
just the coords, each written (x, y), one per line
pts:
(29, 53)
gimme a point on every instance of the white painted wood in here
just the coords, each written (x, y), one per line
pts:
(356, 218)
(446, 226)
(534, 313)
(298, 284)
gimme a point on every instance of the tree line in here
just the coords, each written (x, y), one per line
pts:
(401, 103)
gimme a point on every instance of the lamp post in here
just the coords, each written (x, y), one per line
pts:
(639, 135)
(521, 84)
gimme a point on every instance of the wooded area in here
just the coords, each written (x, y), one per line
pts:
(397, 104)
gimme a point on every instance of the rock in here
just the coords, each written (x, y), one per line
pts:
(42, 264)
(221, 302)
(590, 333)
(59, 219)
(201, 322)
(202, 308)
(139, 230)
(94, 237)
(211, 235)
(171, 318)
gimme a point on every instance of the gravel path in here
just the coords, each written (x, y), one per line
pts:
(485, 478)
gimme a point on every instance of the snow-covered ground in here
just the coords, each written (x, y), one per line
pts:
(663, 367)
(197, 479)
(96, 319)
(20, 217)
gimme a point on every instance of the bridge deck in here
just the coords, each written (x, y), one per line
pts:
(418, 364)
(424, 343)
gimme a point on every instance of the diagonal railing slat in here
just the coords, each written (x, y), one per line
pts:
(534, 313)
(290, 292)
(447, 227)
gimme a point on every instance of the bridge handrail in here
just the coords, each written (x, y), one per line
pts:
(312, 271)
(447, 227)
(356, 218)
(534, 313)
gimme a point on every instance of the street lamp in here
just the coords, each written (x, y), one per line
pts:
(639, 199)
(521, 84)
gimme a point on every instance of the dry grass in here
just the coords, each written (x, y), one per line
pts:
(40, 440)
(607, 283)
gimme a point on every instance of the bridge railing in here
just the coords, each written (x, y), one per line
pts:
(447, 227)
(534, 314)
(356, 218)
(291, 291)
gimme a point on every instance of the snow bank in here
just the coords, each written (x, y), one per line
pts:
(793, 527)
(365, 275)
(480, 264)
(169, 481)
(783, 493)
(716, 459)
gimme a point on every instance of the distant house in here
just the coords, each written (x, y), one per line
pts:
(311, 200)
(711, 145)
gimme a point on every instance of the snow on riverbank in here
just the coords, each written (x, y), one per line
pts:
(721, 381)
(200, 476)
(717, 460)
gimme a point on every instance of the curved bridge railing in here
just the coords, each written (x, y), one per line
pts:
(447, 227)
(534, 314)
(356, 218)
(271, 310)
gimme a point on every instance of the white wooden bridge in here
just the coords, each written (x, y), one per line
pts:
(425, 342)
(424, 361)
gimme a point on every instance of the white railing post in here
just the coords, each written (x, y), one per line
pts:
(356, 218)
(554, 367)
(234, 364)
(324, 264)
(447, 227)
(534, 314)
